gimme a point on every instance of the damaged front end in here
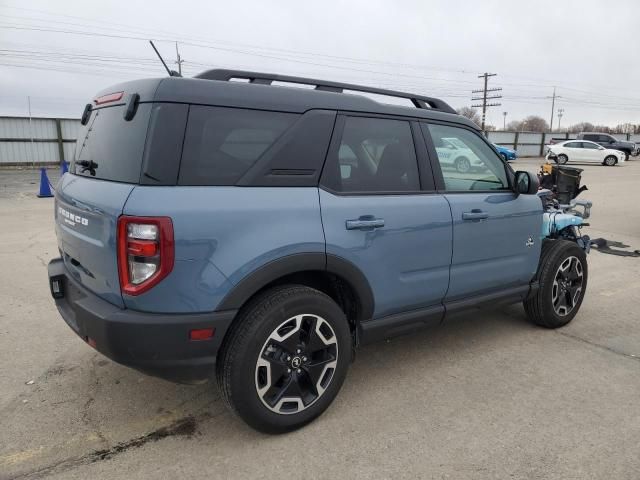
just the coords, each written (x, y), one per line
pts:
(564, 215)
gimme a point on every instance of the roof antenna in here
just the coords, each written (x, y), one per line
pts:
(172, 73)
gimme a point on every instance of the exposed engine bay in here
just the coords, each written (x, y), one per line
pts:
(564, 214)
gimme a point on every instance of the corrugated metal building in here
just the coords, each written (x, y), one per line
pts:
(39, 140)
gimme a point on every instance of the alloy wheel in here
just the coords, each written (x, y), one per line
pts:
(567, 286)
(296, 364)
(463, 165)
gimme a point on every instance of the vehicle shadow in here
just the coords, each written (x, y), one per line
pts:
(107, 409)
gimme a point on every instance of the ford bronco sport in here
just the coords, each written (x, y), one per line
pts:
(260, 233)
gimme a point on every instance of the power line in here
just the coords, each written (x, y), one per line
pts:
(172, 36)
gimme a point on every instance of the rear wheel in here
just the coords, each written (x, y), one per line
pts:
(610, 161)
(286, 358)
(562, 159)
(463, 165)
(562, 277)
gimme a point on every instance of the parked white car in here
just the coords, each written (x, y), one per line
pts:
(455, 153)
(584, 151)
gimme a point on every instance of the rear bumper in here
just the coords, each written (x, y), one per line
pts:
(155, 344)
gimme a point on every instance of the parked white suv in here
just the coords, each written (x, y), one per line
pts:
(455, 153)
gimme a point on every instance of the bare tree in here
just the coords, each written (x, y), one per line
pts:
(581, 127)
(534, 123)
(514, 126)
(470, 113)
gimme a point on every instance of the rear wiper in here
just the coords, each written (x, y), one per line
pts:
(88, 165)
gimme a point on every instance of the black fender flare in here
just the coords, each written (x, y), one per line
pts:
(297, 263)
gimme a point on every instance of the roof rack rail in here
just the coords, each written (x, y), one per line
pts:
(267, 78)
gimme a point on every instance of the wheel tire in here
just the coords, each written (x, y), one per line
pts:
(610, 161)
(541, 308)
(562, 159)
(463, 165)
(242, 369)
(504, 157)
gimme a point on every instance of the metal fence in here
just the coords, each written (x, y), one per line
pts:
(37, 141)
(42, 141)
(529, 144)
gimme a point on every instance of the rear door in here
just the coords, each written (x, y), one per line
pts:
(591, 152)
(89, 200)
(381, 213)
(574, 151)
(496, 233)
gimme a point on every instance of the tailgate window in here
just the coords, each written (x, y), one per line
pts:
(221, 144)
(111, 148)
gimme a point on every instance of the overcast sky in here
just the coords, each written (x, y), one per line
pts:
(588, 49)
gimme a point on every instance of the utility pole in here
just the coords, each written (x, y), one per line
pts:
(504, 121)
(33, 154)
(560, 113)
(485, 91)
(553, 106)
(179, 60)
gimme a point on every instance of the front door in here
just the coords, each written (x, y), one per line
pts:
(379, 212)
(496, 233)
(591, 152)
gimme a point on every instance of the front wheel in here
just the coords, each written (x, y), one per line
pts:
(562, 278)
(562, 159)
(610, 161)
(463, 165)
(285, 359)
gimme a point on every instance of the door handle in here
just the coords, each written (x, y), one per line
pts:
(367, 222)
(475, 214)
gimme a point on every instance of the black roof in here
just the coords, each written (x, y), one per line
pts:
(214, 88)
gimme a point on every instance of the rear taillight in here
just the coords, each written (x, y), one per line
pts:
(145, 252)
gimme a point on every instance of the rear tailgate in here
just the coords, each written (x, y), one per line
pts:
(89, 200)
(86, 213)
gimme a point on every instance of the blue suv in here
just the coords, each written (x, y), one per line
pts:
(230, 225)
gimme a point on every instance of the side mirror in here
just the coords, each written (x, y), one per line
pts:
(526, 183)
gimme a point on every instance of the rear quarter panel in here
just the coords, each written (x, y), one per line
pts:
(222, 234)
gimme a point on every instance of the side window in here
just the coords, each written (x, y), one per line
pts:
(221, 144)
(375, 155)
(592, 146)
(573, 145)
(467, 163)
(605, 139)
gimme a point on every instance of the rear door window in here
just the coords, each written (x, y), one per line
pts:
(221, 144)
(111, 148)
(375, 155)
